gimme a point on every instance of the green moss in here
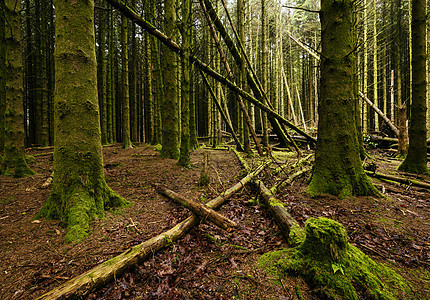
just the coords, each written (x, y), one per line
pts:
(333, 268)
(157, 147)
(297, 235)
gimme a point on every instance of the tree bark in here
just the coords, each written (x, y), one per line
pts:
(169, 110)
(13, 162)
(204, 212)
(416, 159)
(337, 144)
(79, 191)
(126, 140)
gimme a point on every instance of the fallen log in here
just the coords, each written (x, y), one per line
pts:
(204, 212)
(290, 179)
(399, 179)
(289, 227)
(83, 284)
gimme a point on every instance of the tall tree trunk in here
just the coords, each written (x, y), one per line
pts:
(101, 68)
(13, 162)
(375, 65)
(169, 111)
(264, 67)
(126, 140)
(79, 191)
(416, 159)
(337, 144)
(2, 80)
(187, 38)
(365, 108)
(109, 81)
(134, 106)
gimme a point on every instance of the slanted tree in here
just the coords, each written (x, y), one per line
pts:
(169, 110)
(13, 162)
(416, 159)
(338, 169)
(79, 191)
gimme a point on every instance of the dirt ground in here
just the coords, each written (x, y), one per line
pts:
(208, 263)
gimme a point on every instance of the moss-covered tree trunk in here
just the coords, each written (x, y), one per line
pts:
(109, 80)
(187, 21)
(13, 162)
(416, 159)
(338, 169)
(2, 76)
(101, 78)
(169, 109)
(126, 141)
(79, 191)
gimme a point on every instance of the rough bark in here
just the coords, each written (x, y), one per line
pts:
(169, 111)
(201, 210)
(13, 162)
(403, 132)
(79, 191)
(83, 284)
(337, 144)
(416, 159)
(2, 79)
(186, 93)
(126, 139)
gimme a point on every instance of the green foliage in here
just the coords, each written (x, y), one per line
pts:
(333, 268)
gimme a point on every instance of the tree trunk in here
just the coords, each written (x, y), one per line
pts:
(337, 143)
(79, 191)
(201, 210)
(403, 132)
(13, 162)
(186, 94)
(2, 81)
(101, 79)
(169, 110)
(416, 159)
(126, 140)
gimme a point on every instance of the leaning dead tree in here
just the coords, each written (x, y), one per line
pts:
(172, 45)
(380, 113)
(83, 284)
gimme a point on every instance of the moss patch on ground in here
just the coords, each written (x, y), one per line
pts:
(333, 268)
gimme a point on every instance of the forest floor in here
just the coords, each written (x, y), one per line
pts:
(208, 263)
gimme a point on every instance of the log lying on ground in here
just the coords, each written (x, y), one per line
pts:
(290, 179)
(289, 227)
(100, 275)
(204, 212)
(399, 179)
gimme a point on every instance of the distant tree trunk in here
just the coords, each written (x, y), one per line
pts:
(126, 141)
(187, 38)
(375, 65)
(169, 111)
(79, 191)
(101, 80)
(134, 106)
(264, 66)
(365, 109)
(416, 159)
(13, 162)
(109, 81)
(337, 144)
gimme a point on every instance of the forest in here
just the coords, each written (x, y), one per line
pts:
(214, 149)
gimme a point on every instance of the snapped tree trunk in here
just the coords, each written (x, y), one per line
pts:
(79, 191)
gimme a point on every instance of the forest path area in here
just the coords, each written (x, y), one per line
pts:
(208, 263)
